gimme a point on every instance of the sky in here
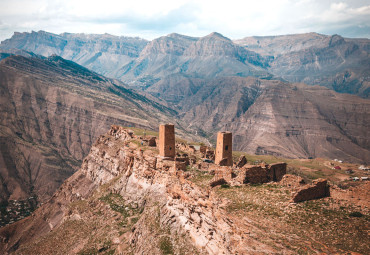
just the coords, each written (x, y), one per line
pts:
(150, 19)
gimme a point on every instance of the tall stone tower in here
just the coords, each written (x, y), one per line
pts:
(224, 149)
(167, 140)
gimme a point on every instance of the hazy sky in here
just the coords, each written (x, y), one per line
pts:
(153, 18)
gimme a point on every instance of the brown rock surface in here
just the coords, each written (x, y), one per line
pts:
(184, 208)
(276, 171)
(50, 113)
(242, 161)
(318, 189)
(253, 174)
(119, 202)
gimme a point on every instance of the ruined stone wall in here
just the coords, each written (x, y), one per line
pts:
(318, 189)
(252, 174)
(276, 171)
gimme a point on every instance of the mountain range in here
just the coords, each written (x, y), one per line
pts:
(55, 100)
(341, 64)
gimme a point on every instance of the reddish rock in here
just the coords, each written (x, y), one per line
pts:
(179, 165)
(152, 141)
(242, 161)
(276, 171)
(318, 189)
(186, 160)
(292, 181)
(223, 162)
(252, 174)
(218, 182)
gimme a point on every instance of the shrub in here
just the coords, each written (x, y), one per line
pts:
(356, 214)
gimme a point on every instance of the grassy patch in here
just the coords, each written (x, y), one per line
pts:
(118, 204)
(165, 245)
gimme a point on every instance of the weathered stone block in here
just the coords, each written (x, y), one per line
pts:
(242, 161)
(318, 189)
(167, 140)
(224, 148)
(276, 171)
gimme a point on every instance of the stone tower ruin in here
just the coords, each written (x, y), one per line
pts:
(167, 140)
(224, 152)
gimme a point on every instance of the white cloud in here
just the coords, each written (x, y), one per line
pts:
(150, 19)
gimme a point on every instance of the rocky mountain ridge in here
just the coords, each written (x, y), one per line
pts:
(341, 64)
(125, 199)
(51, 112)
(273, 117)
(100, 53)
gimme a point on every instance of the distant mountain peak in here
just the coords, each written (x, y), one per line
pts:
(217, 35)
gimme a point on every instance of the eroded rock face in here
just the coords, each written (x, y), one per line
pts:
(141, 178)
(318, 189)
(51, 112)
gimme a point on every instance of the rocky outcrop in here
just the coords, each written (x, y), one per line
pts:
(318, 189)
(141, 179)
(51, 111)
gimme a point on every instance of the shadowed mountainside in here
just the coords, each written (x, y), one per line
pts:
(51, 111)
(274, 117)
(101, 53)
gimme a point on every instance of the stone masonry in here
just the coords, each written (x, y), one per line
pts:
(167, 140)
(224, 149)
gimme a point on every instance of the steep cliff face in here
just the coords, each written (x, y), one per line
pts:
(338, 63)
(272, 117)
(127, 200)
(211, 56)
(169, 208)
(51, 112)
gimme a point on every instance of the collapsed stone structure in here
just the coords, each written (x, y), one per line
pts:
(223, 170)
(262, 173)
(318, 189)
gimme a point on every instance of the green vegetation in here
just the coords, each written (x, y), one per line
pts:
(141, 132)
(165, 245)
(356, 214)
(117, 203)
(199, 177)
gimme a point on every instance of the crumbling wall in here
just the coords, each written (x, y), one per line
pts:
(252, 174)
(276, 171)
(242, 161)
(318, 189)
